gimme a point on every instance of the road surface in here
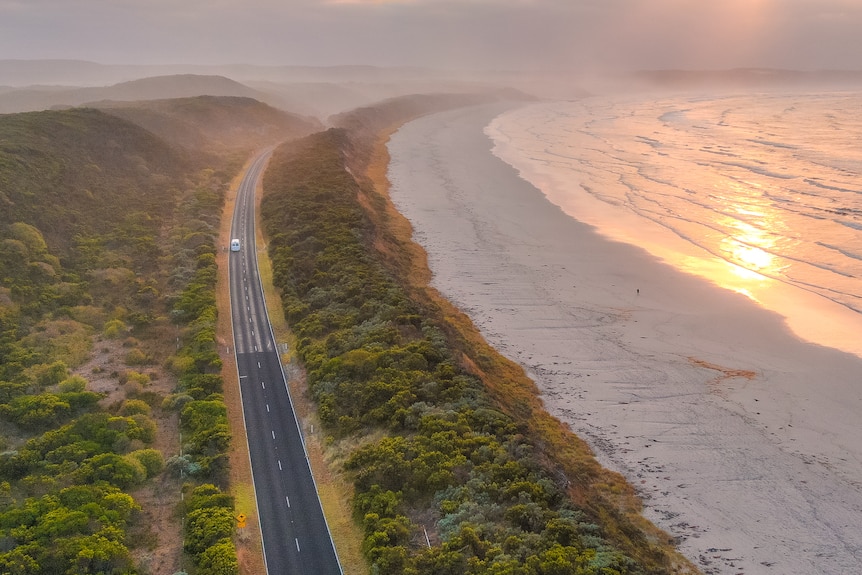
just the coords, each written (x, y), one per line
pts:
(296, 539)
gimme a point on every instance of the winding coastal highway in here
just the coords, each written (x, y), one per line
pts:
(296, 538)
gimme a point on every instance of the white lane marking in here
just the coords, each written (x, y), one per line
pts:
(279, 465)
(263, 385)
(286, 498)
(297, 544)
(258, 365)
(273, 434)
(255, 348)
(267, 408)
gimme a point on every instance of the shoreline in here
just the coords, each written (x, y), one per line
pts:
(808, 313)
(625, 349)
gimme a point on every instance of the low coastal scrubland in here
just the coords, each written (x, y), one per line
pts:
(455, 465)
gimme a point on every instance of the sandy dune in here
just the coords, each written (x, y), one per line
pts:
(745, 442)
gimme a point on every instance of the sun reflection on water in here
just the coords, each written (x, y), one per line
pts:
(747, 261)
(759, 195)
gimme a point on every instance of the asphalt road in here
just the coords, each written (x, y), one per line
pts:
(296, 539)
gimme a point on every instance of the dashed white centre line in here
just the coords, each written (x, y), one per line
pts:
(286, 498)
(258, 365)
(263, 385)
(279, 465)
(297, 544)
(267, 408)
(273, 434)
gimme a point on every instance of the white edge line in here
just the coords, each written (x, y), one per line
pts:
(264, 155)
(292, 409)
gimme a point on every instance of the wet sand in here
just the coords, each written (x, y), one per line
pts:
(744, 441)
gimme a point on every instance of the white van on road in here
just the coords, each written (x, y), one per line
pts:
(234, 245)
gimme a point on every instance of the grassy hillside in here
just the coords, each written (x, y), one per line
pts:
(79, 173)
(455, 465)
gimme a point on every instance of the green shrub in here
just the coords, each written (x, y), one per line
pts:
(115, 329)
(151, 459)
(72, 384)
(219, 559)
(135, 406)
(36, 412)
(136, 356)
(49, 374)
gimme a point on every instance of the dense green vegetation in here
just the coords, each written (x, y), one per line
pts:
(84, 194)
(107, 233)
(206, 437)
(436, 453)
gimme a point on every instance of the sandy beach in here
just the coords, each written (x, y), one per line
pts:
(744, 441)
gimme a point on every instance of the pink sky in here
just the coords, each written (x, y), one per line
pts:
(556, 34)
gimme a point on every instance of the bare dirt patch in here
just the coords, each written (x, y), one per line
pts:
(158, 539)
(103, 370)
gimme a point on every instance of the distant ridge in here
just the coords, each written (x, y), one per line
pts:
(749, 77)
(213, 122)
(20, 73)
(154, 88)
(80, 73)
(176, 86)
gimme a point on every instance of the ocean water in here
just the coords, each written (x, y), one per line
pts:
(758, 193)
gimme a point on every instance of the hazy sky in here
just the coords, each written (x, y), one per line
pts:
(554, 34)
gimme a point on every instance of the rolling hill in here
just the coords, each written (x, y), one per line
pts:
(213, 122)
